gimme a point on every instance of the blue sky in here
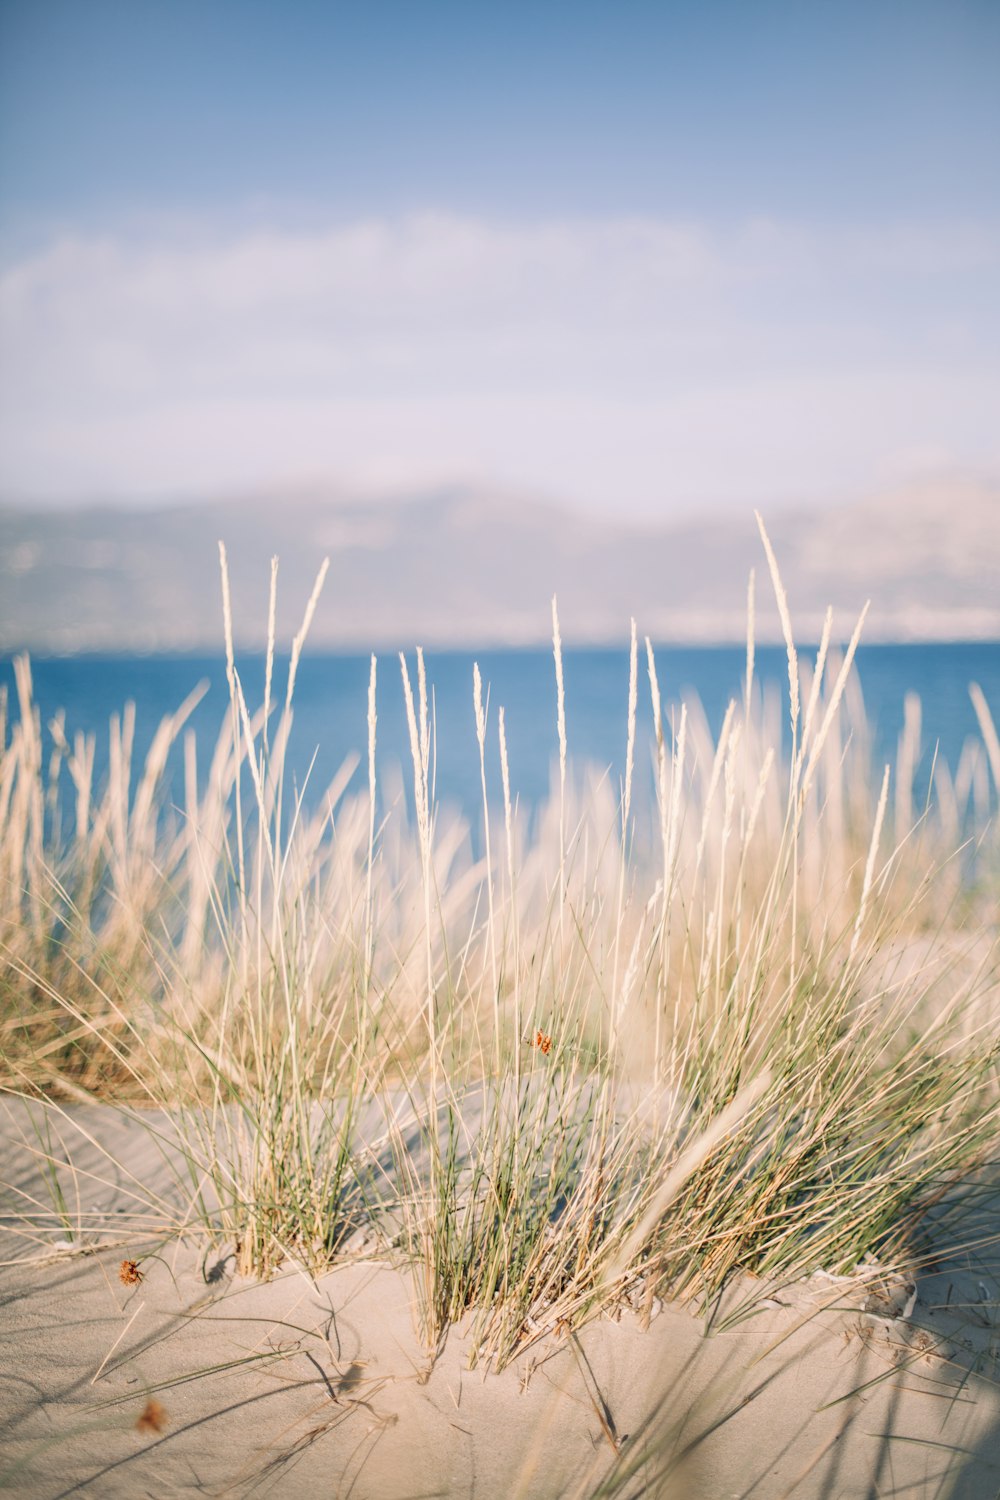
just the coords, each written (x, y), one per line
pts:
(685, 254)
(717, 109)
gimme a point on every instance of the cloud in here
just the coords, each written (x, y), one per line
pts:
(599, 359)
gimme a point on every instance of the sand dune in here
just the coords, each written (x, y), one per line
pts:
(194, 1381)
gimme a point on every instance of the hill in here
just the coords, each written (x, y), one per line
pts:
(463, 565)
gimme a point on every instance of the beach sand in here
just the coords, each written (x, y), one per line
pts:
(194, 1381)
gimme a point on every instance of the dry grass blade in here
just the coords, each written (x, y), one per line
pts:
(657, 1036)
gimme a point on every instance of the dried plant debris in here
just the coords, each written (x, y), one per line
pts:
(891, 1298)
(152, 1420)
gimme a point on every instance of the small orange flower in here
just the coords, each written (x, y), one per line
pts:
(543, 1043)
(129, 1273)
(152, 1419)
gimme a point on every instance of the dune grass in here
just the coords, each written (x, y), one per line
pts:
(734, 1022)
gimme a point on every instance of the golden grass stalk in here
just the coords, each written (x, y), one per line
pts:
(713, 1060)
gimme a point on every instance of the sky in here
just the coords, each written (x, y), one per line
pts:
(640, 258)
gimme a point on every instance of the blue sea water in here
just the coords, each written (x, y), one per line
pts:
(331, 699)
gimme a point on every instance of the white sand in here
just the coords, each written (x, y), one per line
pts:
(300, 1388)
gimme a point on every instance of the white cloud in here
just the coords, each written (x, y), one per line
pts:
(624, 361)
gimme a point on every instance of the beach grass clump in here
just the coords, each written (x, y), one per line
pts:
(730, 1019)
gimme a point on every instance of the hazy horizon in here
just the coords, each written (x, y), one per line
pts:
(457, 565)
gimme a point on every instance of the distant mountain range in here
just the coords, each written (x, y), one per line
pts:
(466, 566)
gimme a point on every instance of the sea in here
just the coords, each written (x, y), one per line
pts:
(331, 706)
